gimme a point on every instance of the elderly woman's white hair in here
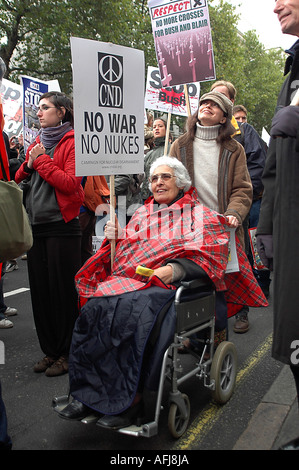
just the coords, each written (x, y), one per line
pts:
(182, 179)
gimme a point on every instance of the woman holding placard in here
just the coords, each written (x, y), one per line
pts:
(54, 196)
(216, 162)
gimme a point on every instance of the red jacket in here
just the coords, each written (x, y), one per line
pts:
(59, 172)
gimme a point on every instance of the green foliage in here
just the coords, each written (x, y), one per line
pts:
(264, 76)
(227, 42)
(36, 34)
(36, 41)
(241, 59)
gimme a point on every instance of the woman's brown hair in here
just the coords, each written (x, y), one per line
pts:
(60, 100)
(225, 132)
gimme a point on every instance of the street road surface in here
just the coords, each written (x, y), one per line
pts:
(33, 425)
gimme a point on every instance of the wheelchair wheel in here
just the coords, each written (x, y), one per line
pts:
(177, 420)
(224, 371)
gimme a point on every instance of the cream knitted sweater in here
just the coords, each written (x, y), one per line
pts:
(206, 153)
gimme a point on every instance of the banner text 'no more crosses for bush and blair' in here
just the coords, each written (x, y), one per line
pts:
(183, 41)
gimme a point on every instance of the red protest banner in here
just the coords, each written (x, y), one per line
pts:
(183, 41)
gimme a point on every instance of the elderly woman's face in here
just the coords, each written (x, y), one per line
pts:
(164, 186)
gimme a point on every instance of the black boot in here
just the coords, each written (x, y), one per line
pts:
(122, 420)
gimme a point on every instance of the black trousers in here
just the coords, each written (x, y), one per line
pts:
(52, 265)
(87, 224)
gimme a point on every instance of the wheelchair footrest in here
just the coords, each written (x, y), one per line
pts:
(145, 430)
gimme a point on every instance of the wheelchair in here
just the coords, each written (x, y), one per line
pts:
(194, 304)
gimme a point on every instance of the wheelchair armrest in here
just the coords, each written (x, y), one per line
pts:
(194, 303)
(194, 289)
(203, 281)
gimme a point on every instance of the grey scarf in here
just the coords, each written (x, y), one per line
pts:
(50, 136)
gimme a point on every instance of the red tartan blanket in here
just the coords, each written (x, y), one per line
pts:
(186, 229)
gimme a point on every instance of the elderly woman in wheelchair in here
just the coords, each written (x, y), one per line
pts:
(171, 238)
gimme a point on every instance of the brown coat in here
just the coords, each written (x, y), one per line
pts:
(234, 183)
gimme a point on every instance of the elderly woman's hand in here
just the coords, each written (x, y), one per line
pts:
(112, 231)
(164, 273)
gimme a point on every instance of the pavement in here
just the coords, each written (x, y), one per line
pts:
(276, 419)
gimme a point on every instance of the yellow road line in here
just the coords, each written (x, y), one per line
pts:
(209, 416)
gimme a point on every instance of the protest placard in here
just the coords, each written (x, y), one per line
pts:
(108, 85)
(170, 99)
(233, 262)
(33, 88)
(12, 100)
(183, 41)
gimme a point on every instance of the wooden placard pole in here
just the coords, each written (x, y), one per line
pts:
(167, 134)
(112, 214)
(187, 99)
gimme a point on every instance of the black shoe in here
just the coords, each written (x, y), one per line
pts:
(122, 420)
(292, 445)
(74, 410)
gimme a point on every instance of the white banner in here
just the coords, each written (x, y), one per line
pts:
(12, 100)
(108, 84)
(233, 262)
(183, 40)
(171, 99)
